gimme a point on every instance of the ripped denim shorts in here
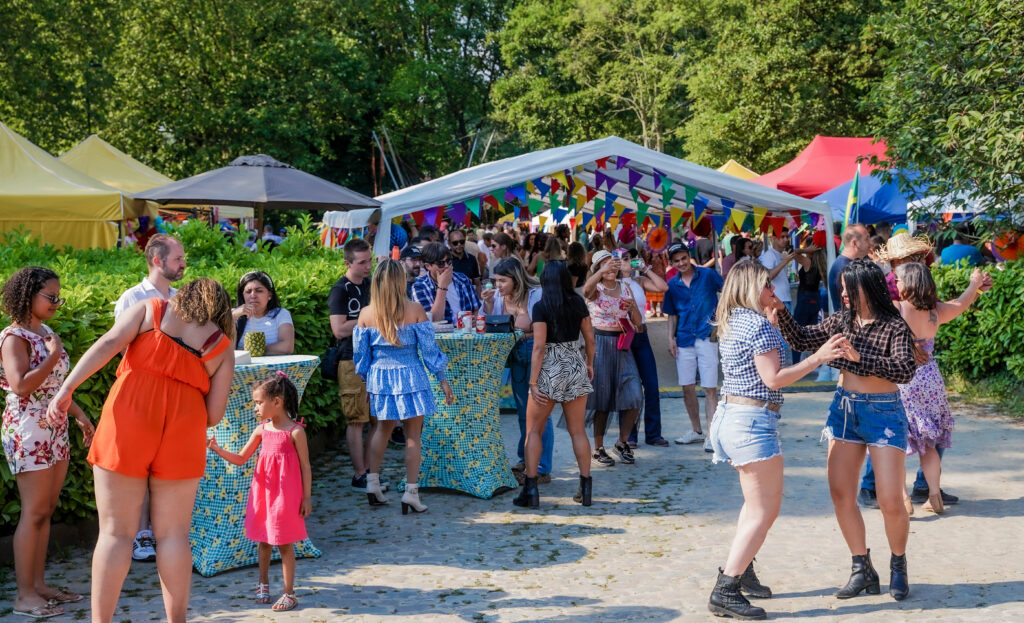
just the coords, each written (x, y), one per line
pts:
(742, 434)
(871, 419)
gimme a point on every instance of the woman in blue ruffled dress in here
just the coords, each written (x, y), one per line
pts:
(391, 335)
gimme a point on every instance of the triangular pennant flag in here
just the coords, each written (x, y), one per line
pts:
(699, 205)
(556, 201)
(666, 183)
(516, 212)
(677, 215)
(560, 176)
(598, 206)
(618, 208)
(737, 220)
(530, 188)
(636, 196)
(776, 223)
(635, 177)
(418, 218)
(559, 215)
(536, 205)
(610, 198)
(555, 185)
(666, 197)
(591, 193)
(519, 192)
(581, 200)
(586, 218)
(759, 214)
(602, 163)
(658, 178)
(457, 212)
(474, 206)
(620, 162)
(609, 210)
(748, 223)
(541, 187)
(727, 208)
(690, 192)
(718, 222)
(643, 197)
(641, 211)
(430, 215)
(577, 184)
(571, 204)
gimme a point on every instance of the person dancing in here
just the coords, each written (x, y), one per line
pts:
(559, 372)
(390, 335)
(744, 431)
(866, 415)
(928, 412)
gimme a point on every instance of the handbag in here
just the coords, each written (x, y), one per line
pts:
(626, 337)
(329, 363)
(498, 323)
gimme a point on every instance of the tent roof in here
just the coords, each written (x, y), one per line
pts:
(824, 164)
(736, 169)
(581, 161)
(101, 160)
(879, 202)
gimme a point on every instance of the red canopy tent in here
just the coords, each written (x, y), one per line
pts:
(825, 163)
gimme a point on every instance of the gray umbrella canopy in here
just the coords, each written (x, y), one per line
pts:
(260, 182)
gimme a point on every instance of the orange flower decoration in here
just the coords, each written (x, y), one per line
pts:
(657, 240)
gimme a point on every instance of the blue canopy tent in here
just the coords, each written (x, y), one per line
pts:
(879, 202)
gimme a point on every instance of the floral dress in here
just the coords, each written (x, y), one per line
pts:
(924, 398)
(30, 443)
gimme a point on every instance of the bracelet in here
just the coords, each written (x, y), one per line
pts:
(445, 289)
(533, 383)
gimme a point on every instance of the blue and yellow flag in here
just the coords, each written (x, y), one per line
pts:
(853, 201)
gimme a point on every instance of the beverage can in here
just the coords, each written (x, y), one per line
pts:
(465, 321)
(481, 323)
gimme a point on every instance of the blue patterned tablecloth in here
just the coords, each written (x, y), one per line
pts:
(217, 534)
(463, 447)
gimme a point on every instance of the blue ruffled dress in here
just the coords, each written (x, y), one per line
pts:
(396, 380)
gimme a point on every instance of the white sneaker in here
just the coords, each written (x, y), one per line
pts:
(690, 437)
(144, 547)
(707, 446)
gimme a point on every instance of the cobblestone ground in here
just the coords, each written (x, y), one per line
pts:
(646, 551)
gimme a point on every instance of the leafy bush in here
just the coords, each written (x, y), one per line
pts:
(988, 339)
(92, 281)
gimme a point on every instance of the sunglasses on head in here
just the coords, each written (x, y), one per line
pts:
(56, 300)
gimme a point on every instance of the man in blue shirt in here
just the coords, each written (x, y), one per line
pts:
(690, 303)
(442, 292)
(960, 253)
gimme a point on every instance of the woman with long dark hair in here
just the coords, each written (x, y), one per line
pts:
(259, 310)
(866, 415)
(741, 250)
(560, 372)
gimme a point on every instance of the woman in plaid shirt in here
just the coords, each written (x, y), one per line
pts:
(744, 430)
(866, 416)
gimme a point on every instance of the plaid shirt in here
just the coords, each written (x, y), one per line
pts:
(886, 346)
(424, 291)
(750, 334)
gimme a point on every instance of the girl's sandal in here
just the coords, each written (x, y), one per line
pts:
(263, 593)
(65, 596)
(287, 601)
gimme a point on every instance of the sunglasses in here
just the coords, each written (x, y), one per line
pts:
(458, 243)
(56, 300)
(446, 262)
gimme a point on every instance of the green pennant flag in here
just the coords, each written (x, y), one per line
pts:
(690, 192)
(748, 222)
(666, 196)
(536, 205)
(636, 197)
(555, 201)
(474, 206)
(572, 203)
(641, 212)
(598, 206)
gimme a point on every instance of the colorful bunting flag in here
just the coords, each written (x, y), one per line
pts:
(457, 212)
(610, 198)
(418, 218)
(643, 197)
(556, 201)
(474, 206)
(536, 205)
(542, 219)
(518, 192)
(666, 196)
(690, 193)
(586, 218)
(699, 205)
(560, 176)
(591, 193)
(759, 214)
(658, 178)
(641, 211)
(635, 177)
(555, 185)
(677, 215)
(718, 222)
(559, 215)
(541, 187)
(602, 163)
(620, 162)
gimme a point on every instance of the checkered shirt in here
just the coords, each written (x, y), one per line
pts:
(750, 334)
(886, 346)
(424, 291)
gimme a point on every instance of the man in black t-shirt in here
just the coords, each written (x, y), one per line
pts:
(463, 262)
(704, 248)
(347, 298)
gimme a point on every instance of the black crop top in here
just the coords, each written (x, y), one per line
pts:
(558, 333)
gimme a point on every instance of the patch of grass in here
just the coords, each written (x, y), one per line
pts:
(1003, 391)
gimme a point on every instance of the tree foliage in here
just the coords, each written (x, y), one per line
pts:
(952, 101)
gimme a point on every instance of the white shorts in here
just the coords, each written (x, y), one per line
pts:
(702, 355)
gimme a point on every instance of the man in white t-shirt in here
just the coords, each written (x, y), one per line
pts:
(777, 261)
(165, 258)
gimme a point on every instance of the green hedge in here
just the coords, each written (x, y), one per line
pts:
(93, 280)
(988, 339)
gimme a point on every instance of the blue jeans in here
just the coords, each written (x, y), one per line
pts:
(648, 369)
(868, 480)
(519, 367)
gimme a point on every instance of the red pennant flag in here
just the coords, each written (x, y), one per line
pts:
(591, 193)
(602, 163)
(491, 201)
(643, 198)
(555, 185)
(418, 217)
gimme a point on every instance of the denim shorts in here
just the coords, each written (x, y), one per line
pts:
(871, 419)
(742, 434)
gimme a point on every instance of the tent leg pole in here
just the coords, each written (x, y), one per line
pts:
(259, 221)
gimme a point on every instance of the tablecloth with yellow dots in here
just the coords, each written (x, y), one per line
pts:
(463, 448)
(217, 534)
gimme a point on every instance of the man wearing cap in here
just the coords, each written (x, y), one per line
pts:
(690, 303)
(412, 260)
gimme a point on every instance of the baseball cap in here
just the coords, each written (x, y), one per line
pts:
(676, 247)
(411, 251)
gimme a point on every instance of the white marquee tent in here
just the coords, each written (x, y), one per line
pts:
(624, 162)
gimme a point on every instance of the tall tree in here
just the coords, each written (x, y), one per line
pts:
(952, 101)
(782, 72)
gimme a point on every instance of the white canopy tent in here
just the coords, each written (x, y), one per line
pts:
(352, 219)
(582, 161)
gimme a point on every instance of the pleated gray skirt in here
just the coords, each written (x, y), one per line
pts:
(616, 382)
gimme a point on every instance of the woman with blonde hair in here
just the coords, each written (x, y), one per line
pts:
(172, 384)
(390, 336)
(744, 429)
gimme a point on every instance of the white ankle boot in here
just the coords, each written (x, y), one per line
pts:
(373, 492)
(411, 499)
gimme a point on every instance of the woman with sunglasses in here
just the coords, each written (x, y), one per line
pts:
(33, 364)
(259, 310)
(744, 429)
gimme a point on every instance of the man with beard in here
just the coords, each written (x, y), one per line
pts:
(165, 258)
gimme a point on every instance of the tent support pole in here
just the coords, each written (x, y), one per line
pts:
(830, 254)
(259, 221)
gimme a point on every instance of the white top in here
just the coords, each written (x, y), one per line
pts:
(639, 295)
(141, 292)
(532, 298)
(770, 258)
(267, 324)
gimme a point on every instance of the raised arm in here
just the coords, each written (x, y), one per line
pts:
(980, 282)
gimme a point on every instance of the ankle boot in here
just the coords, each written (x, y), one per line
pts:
(411, 499)
(373, 493)
(862, 578)
(529, 496)
(899, 583)
(585, 491)
(750, 585)
(727, 601)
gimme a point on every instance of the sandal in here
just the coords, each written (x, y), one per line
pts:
(263, 593)
(285, 602)
(41, 612)
(65, 596)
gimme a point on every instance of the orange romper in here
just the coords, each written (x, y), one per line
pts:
(154, 419)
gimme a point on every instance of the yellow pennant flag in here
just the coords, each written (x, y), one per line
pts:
(581, 200)
(677, 213)
(759, 214)
(531, 188)
(560, 176)
(542, 219)
(736, 220)
(613, 222)
(618, 208)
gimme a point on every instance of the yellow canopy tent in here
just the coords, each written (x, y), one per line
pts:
(52, 200)
(736, 169)
(101, 160)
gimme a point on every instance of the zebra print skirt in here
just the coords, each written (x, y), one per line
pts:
(563, 375)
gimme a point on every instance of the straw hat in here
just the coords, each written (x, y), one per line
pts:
(903, 245)
(599, 256)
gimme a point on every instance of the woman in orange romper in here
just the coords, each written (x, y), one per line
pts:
(172, 384)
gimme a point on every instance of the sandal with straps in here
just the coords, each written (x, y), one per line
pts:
(285, 602)
(65, 596)
(41, 612)
(263, 593)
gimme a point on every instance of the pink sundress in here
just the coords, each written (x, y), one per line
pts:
(275, 497)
